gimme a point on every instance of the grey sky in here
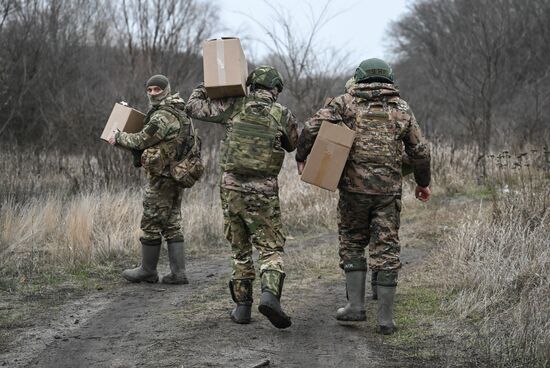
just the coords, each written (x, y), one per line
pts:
(360, 26)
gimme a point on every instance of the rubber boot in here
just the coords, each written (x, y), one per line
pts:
(270, 305)
(241, 293)
(355, 290)
(150, 251)
(176, 255)
(386, 285)
(373, 285)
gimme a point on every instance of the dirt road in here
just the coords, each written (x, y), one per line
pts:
(153, 325)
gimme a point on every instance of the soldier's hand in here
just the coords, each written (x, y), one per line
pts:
(112, 139)
(422, 193)
(301, 166)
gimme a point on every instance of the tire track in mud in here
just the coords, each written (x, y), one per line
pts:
(155, 325)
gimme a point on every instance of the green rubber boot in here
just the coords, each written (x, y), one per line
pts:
(355, 290)
(150, 251)
(176, 255)
(270, 305)
(241, 293)
(386, 285)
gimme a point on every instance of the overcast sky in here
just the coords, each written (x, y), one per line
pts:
(359, 27)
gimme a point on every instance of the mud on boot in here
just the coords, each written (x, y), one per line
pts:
(241, 293)
(386, 284)
(150, 251)
(270, 305)
(355, 291)
(176, 256)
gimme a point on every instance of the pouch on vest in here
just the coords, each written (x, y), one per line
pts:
(153, 160)
(252, 146)
(188, 168)
(377, 141)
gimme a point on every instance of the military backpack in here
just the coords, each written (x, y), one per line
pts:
(377, 142)
(252, 145)
(185, 164)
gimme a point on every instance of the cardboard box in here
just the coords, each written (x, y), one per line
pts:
(225, 67)
(124, 118)
(328, 156)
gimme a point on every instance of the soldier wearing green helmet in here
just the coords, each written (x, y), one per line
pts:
(258, 132)
(370, 187)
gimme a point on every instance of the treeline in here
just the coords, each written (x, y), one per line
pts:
(63, 63)
(473, 70)
(477, 70)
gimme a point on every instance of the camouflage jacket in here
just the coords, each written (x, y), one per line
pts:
(368, 171)
(158, 138)
(220, 111)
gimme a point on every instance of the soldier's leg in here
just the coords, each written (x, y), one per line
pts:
(150, 238)
(353, 220)
(263, 220)
(384, 252)
(243, 274)
(173, 234)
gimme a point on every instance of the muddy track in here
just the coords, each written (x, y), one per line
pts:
(154, 325)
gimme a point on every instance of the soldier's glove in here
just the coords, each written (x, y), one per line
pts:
(136, 157)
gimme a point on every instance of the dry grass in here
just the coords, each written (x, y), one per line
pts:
(495, 263)
(499, 266)
(43, 224)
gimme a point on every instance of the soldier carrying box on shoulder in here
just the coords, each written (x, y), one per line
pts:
(258, 132)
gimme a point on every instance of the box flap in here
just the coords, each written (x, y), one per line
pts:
(335, 133)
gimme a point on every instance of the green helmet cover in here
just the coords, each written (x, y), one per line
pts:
(265, 76)
(373, 70)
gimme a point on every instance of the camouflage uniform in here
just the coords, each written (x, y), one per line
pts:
(162, 199)
(370, 186)
(252, 215)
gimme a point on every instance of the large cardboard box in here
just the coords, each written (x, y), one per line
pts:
(328, 156)
(225, 67)
(124, 118)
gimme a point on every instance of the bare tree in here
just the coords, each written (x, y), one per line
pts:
(472, 58)
(309, 68)
(165, 37)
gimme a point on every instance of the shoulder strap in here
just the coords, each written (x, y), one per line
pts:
(276, 112)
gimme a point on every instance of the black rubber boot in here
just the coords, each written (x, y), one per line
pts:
(386, 285)
(373, 285)
(355, 290)
(241, 293)
(150, 251)
(176, 255)
(270, 305)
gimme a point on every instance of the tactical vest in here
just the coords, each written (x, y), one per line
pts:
(157, 159)
(378, 143)
(252, 145)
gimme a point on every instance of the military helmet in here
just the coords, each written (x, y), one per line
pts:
(373, 70)
(265, 76)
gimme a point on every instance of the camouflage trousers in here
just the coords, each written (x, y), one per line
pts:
(253, 219)
(373, 221)
(161, 209)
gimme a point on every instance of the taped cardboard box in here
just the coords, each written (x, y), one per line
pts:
(225, 67)
(125, 119)
(328, 156)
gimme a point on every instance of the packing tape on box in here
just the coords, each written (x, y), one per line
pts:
(220, 60)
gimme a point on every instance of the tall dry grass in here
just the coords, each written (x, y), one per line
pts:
(81, 210)
(497, 262)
